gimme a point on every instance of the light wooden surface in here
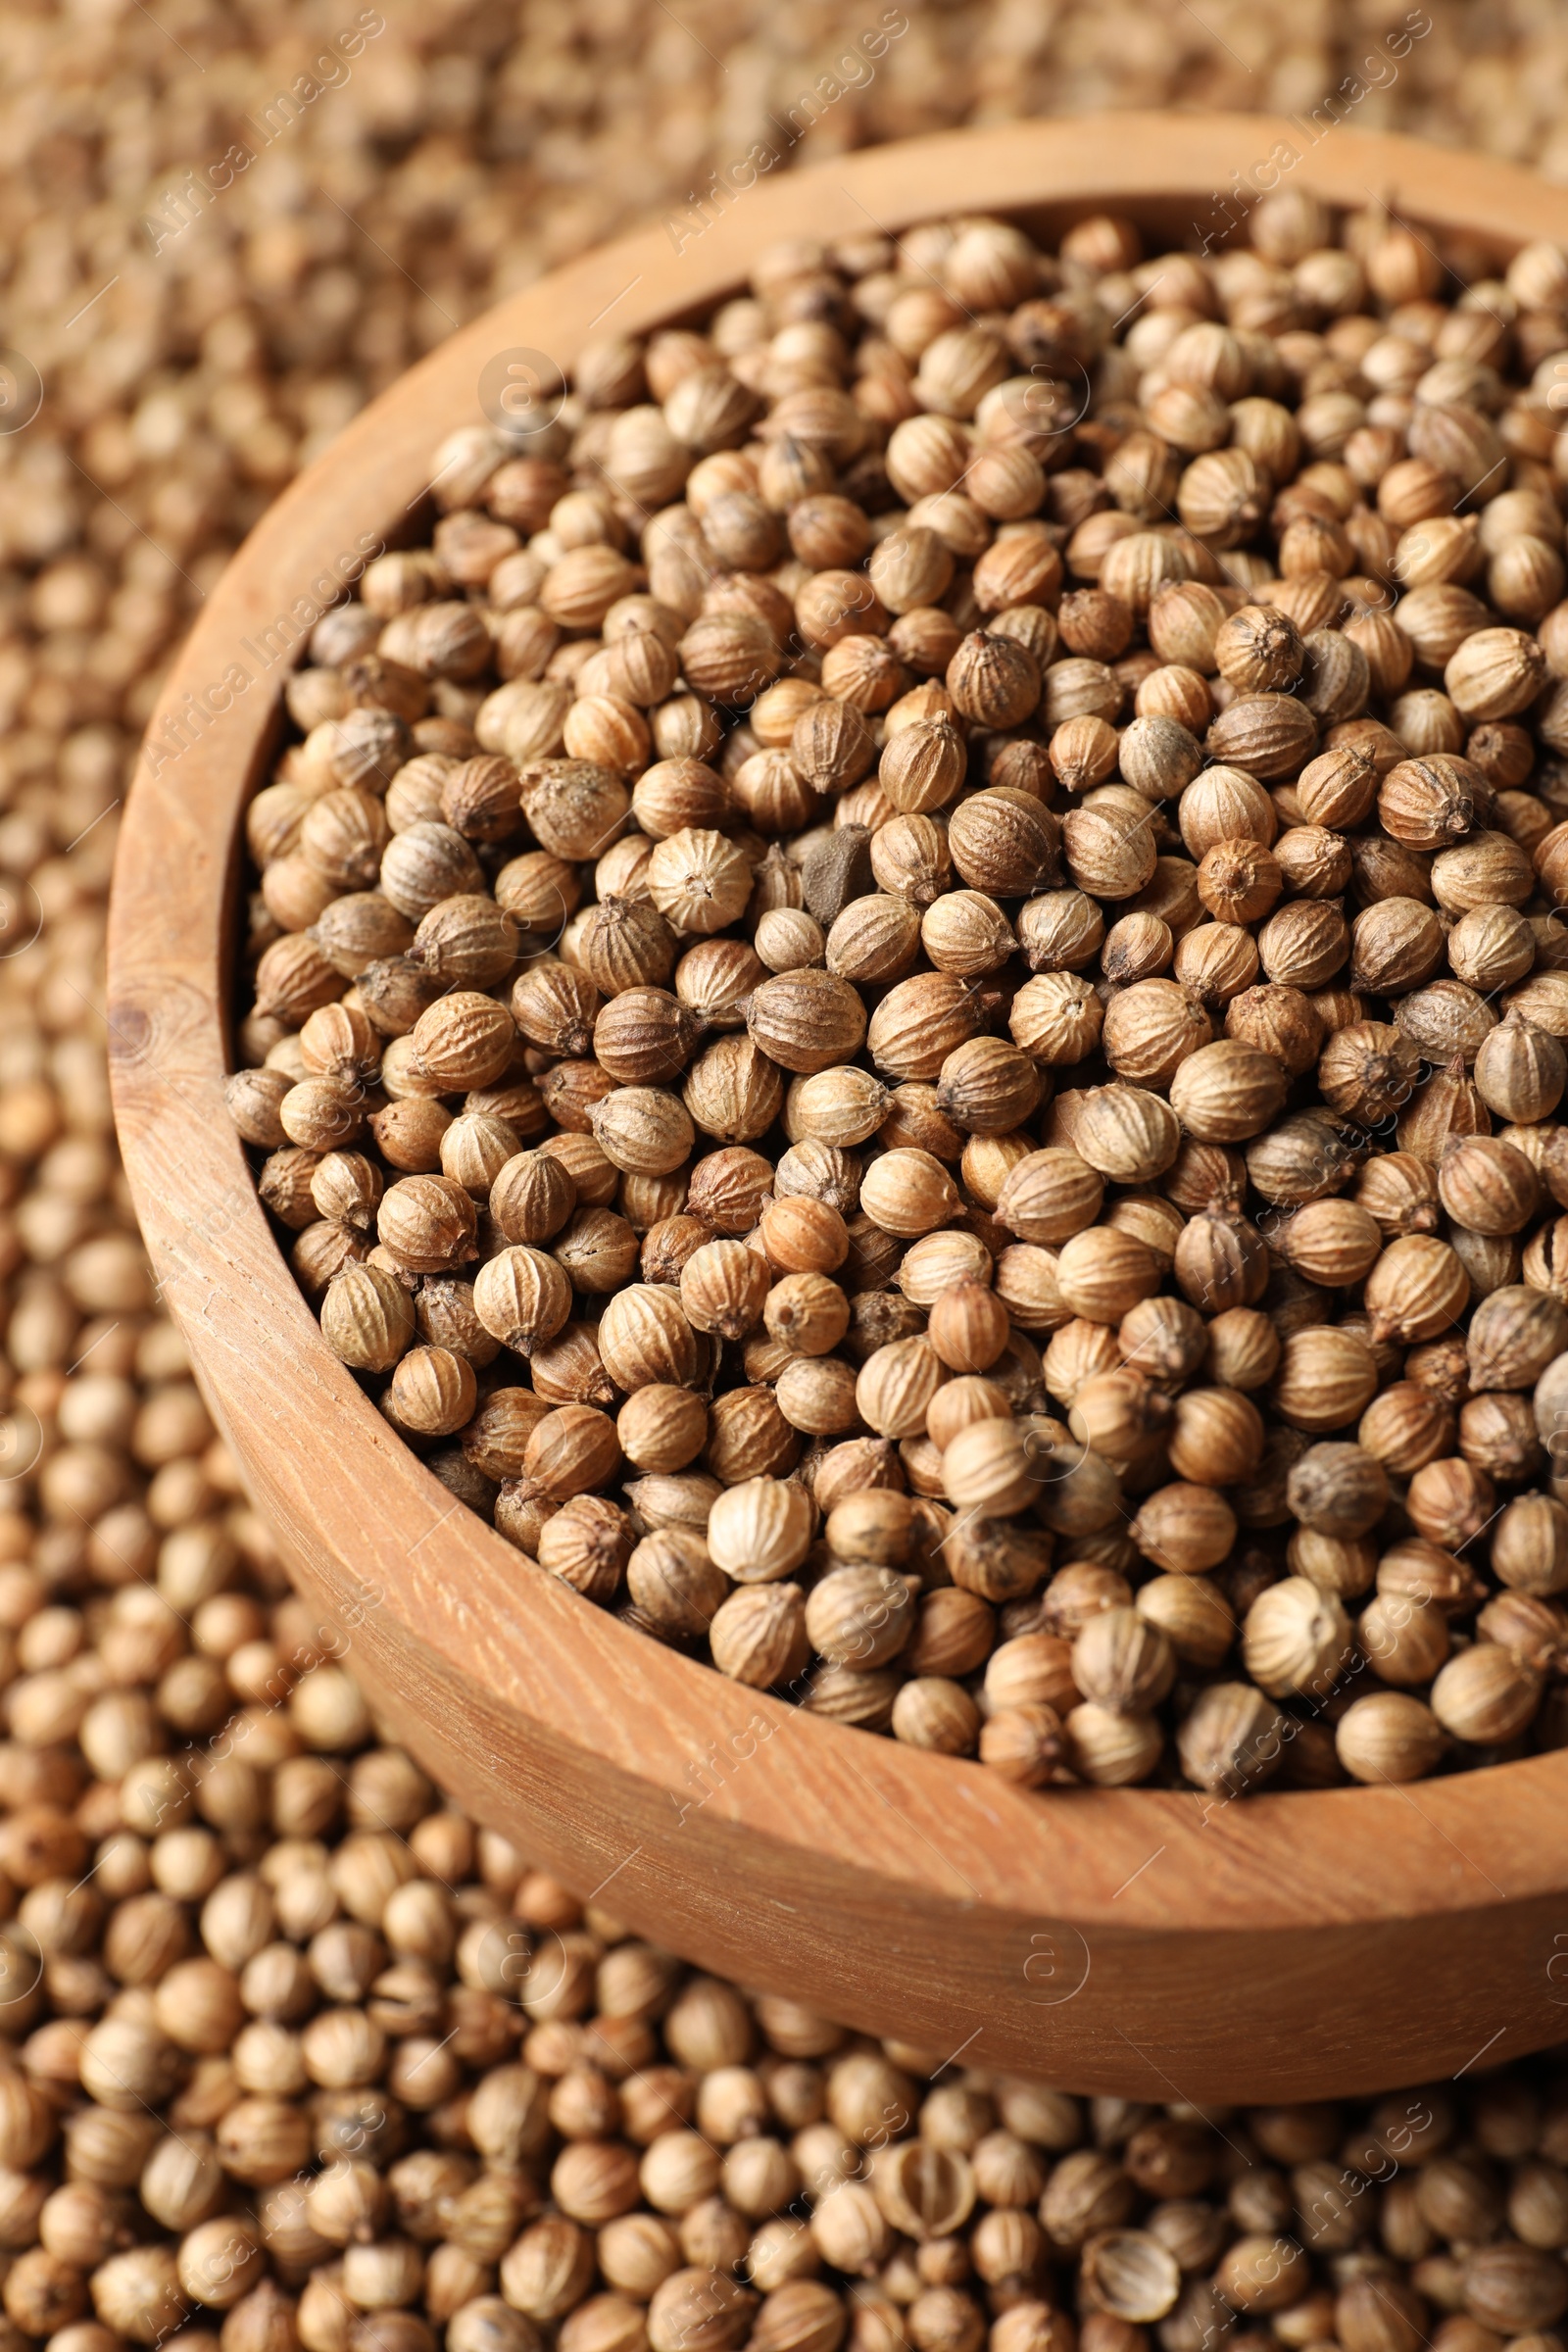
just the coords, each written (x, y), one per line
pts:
(1140, 1943)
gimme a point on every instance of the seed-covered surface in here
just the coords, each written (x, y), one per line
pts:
(202, 374)
(925, 932)
(298, 2059)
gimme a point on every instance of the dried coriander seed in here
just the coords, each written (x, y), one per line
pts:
(1026, 1018)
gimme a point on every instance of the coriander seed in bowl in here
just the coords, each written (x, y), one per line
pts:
(758, 600)
(898, 1012)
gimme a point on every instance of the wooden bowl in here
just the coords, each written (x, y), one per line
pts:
(1148, 1943)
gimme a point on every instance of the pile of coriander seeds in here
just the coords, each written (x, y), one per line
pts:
(905, 1004)
(297, 2058)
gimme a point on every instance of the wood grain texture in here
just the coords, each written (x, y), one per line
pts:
(1148, 1943)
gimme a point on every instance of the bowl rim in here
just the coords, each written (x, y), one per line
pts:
(647, 1730)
